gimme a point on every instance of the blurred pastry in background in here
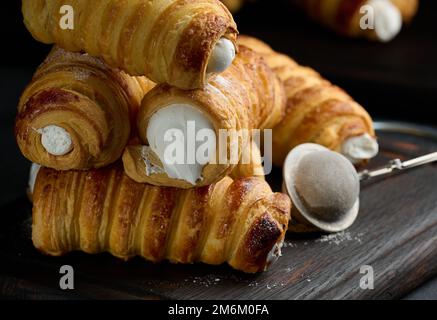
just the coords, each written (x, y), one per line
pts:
(408, 8)
(233, 5)
(379, 20)
(316, 111)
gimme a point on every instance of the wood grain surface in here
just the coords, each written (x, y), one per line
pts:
(396, 234)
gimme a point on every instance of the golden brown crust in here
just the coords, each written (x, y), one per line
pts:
(248, 96)
(169, 41)
(250, 167)
(238, 222)
(95, 104)
(316, 111)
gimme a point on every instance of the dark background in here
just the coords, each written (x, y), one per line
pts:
(395, 81)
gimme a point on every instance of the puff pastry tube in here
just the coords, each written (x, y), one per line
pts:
(178, 42)
(241, 222)
(253, 167)
(77, 112)
(246, 96)
(316, 111)
(348, 16)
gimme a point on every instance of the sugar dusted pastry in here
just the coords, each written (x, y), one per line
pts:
(348, 16)
(316, 111)
(241, 222)
(246, 96)
(76, 113)
(181, 43)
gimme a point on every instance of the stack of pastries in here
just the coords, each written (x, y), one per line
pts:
(93, 116)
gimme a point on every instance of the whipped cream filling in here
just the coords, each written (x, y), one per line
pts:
(388, 19)
(360, 148)
(34, 169)
(56, 140)
(151, 168)
(172, 135)
(275, 253)
(222, 56)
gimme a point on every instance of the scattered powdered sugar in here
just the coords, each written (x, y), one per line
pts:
(340, 237)
(335, 238)
(289, 244)
(271, 286)
(206, 281)
(268, 286)
(211, 280)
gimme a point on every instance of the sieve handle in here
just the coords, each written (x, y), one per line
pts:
(398, 165)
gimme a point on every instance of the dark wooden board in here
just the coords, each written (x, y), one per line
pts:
(396, 233)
